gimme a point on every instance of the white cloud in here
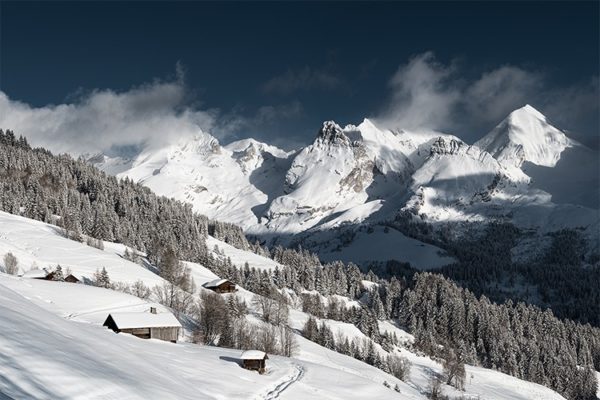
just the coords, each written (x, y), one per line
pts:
(423, 94)
(301, 79)
(152, 114)
(500, 91)
(429, 94)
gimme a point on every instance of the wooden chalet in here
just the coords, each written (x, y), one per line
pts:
(145, 325)
(220, 286)
(254, 360)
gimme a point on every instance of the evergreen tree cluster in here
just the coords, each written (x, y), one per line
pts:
(562, 278)
(85, 201)
(520, 340)
(363, 350)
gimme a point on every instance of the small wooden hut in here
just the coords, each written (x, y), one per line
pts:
(220, 286)
(254, 360)
(145, 325)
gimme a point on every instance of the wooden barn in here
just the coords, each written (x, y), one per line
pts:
(48, 276)
(145, 325)
(254, 360)
(71, 278)
(220, 286)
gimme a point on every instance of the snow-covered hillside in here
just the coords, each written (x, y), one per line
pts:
(45, 356)
(53, 344)
(364, 174)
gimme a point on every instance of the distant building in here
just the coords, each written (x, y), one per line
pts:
(254, 360)
(48, 276)
(220, 286)
(145, 325)
(71, 279)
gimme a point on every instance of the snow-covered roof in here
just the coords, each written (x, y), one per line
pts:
(253, 355)
(35, 273)
(215, 283)
(129, 320)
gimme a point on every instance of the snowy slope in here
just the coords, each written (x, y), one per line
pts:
(110, 165)
(43, 315)
(556, 164)
(36, 242)
(47, 357)
(92, 306)
(322, 372)
(239, 257)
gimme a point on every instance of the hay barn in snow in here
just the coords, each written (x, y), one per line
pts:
(254, 360)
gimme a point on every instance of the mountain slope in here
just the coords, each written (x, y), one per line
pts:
(226, 182)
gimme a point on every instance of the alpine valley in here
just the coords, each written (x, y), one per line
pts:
(299, 200)
(507, 229)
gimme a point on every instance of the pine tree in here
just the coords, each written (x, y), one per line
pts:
(11, 264)
(58, 274)
(311, 329)
(101, 279)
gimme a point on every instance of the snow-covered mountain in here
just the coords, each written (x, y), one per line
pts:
(525, 135)
(366, 174)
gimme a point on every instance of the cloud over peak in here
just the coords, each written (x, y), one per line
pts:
(423, 94)
(426, 93)
(98, 121)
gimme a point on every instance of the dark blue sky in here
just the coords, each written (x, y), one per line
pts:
(306, 61)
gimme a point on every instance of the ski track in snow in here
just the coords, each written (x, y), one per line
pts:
(111, 308)
(275, 392)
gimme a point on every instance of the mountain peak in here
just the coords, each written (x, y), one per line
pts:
(252, 145)
(200, 143)
(332, 133)
(528, 110)
(525, 135)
